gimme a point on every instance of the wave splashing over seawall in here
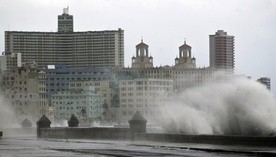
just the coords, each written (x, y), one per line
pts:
(7, 115)
(236, 107)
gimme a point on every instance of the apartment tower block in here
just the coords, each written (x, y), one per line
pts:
(66, 47)
(222, 54)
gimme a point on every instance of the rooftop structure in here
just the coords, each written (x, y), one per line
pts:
(142, 58)
(185, 59)
(65, 21)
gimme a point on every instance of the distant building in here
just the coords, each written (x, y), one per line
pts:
(74, 49)
(184, 73)
(43, 103)
(106, 89)
(222, 55)
(58, 77)
(141, 86)
(265, 81)
(9, 62)
(84, 102)
(24, 90)
(189, 78)
(145, 95)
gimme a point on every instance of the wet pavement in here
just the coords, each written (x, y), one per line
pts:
(33, 147)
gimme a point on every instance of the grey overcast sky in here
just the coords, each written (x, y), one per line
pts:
(163, 24)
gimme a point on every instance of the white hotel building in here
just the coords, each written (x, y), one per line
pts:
(145, 95)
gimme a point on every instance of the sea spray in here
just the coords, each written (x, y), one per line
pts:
(7, 115)
(230, 107)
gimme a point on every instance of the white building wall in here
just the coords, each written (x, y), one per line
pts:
(144, 95)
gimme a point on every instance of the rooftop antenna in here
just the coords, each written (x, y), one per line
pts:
(66, 10)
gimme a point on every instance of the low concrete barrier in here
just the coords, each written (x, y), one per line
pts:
(86, 133)
(44, 130)
(137, 131)
(209, 139)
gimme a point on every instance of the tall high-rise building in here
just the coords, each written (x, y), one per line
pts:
(74, 49)
(222, 54)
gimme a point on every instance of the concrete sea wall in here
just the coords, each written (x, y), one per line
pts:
(85, 133)
(209, 139)
(137, 125)
(125, 134)
(137, 131)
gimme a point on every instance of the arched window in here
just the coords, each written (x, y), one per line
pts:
(187, 53)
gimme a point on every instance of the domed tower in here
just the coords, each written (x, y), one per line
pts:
(142, 58)
(185, 59)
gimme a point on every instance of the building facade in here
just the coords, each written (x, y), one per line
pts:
(9, 62)
(81, 101)
(24, 90)
(222, 55)
(74, 49)
(58, 77)
(42, 94)
(107, 89)
(184, 73)
(147, 89)
(145, 95)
